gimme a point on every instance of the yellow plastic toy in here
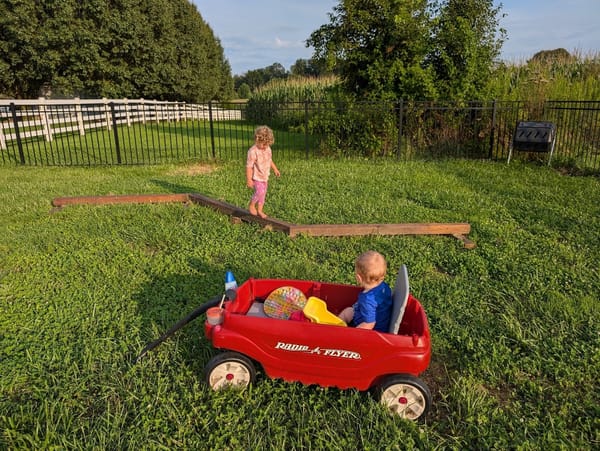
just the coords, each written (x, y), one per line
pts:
(316, 310)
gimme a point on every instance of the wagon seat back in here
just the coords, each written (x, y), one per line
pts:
(399, 299)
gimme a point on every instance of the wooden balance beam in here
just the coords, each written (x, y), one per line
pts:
(120, 199)
(457, 230)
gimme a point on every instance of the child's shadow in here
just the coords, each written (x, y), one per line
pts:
(173, 187)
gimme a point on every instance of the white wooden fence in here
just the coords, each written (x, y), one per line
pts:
(42, 117)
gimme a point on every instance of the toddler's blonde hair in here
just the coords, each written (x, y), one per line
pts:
(264, 135)
(371, 266)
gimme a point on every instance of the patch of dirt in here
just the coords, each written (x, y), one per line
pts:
(194, 169)
(575, 172)
(441, 272)
(436, 377)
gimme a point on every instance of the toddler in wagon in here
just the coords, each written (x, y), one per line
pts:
(373, 308)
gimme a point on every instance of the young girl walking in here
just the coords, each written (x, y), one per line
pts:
(258, 168)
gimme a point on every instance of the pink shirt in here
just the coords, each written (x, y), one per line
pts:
(260, 162)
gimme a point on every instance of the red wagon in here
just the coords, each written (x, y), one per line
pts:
(388, 364)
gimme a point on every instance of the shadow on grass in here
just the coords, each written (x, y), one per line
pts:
(180, 189)
(174, 188)
(166, 300)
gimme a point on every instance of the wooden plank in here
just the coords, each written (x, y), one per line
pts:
(381, 229)
(268, 222)
(218, 205)
(120, 199)
(242, 214)
(467, 243)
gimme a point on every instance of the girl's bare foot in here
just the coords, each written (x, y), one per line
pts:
(252, 210)
(262, 214)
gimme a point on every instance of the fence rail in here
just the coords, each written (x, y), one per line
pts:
(52, 117)
(126, 131)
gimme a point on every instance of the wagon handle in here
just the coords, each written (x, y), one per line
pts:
(229, 294)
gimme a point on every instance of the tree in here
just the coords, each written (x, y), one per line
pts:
(307, 68)
(412, 49)
(22, 70)
(244, 91)
(120, 48)
(378, 47)
(275, 70)
(552, 56)
(258, 77)
(465, 46)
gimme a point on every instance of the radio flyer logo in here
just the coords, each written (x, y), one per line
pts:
(327, 352)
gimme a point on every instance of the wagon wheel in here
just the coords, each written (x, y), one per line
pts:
(229, 369)
(405, 395)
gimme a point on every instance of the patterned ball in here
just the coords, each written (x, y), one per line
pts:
(283, 301)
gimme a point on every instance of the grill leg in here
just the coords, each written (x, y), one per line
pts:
(551, 150)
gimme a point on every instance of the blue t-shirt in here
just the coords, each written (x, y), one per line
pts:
(374, 305)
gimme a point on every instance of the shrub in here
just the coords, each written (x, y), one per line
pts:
(355, 128)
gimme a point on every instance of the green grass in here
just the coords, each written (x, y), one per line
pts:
(514, 322)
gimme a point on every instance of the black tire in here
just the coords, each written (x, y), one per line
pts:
(404, 395)
(229, 369)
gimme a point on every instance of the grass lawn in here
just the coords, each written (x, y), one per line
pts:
(515, 322)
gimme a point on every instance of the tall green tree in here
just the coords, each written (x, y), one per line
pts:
(411, 49)
(159, 49)
(378, 47)
(21, 68)
(466, 42)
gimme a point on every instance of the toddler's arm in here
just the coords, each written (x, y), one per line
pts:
(275, 170)
(249, 181)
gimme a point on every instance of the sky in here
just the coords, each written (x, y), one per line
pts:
(257, 33)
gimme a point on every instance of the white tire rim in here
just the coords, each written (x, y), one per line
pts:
(404, 400)
(229, 374)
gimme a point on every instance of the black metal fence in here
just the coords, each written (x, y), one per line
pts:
(112, 132)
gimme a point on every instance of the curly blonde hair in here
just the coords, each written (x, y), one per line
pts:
(264, 135)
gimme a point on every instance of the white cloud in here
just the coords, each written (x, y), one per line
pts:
(283, 44)
(545, 25)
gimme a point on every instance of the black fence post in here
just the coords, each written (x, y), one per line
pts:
(306, 128)
(13, 110)
(212, 129)
(115, 132)
(493, 130)
(400, 108)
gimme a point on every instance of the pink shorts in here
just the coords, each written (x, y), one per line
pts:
(260, 192)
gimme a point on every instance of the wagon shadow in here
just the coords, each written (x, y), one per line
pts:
(163, 301)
